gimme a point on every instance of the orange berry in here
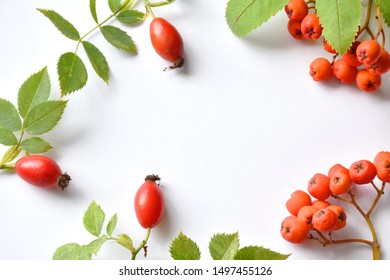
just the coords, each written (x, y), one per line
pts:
(321, 69)
(382, 164)
(337, 168)
(311, 27)
(318, 186)
(381, 66)
(324, 219)
(306, 214)
(344, 72)
(297, 200)
(319, 204)
(362, 172)
(341, 216)
(350, 56)
(340, 183)
(296, 9)
(368, 51)
(294, 230)
(367, 81)
(294, 28)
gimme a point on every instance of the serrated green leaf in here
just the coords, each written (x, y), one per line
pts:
(44, 117)
(35, 90)
(114, 5)
(224, 246)
(243, 16)
(35, 145)
(92, 8)
(10, 155)
(7, 138)
(183, 248)
(71, 72)
(93, 219)
(97, 60)
(130, 17)
(63, 25)
(9, 116)
(94, 246)
(125, 241)
(340, 20)
(112, 225)
(118, 38)
(258, 253)
(72, 251)
(385, 10)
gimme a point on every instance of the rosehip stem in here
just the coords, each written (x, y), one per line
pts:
(149, 5)
(142, 245)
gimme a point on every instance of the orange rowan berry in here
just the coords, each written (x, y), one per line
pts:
(337, 168)
(350, 56)
(294, 230)
(381, 66)
(368, 51)
(311, 27)
(382, 164)
(294, 28)
(368, 82)
(297, 200)
(321, 69)
(318, 186)
(324, 220)
(319, 204)
(296, 9)
(362, 172)
(306, 214)
(341, 216)
(340, 183)
(344, 72)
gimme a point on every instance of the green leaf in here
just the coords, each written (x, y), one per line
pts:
(125, 241)
(385, 9)
(243, 16)
(114, 5)
(112, 225)
(224, 246)
(340, 20)
(35, 145)
(93, 219)
(130, 17)
(7, 138)
(258, 253)
(92, 8)
(9, 116)
(10, 155)
(118, 38)
(64, 26)
(71, 72)
(44, 117)
(72, 251)
(97, 60)
(35, 90)
(94, 246)
(183, 248)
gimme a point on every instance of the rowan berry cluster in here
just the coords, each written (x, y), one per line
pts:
(364, 63)
(315, 211)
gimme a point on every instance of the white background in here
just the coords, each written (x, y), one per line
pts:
(232, 134)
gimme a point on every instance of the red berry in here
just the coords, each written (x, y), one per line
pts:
(296, 9)
(311, 27)
(149, 203)
(41, 171)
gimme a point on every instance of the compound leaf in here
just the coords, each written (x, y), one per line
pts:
(63, 25)
(243, 16)
(44, 117)
(35, 90)
(35, 145)
(93, 219)
(118, 38)
(9, 116)
(71, 72)
(385, 9)
(183, 248)
(97, 60)
(258, 253)
(224, 246)
(340, 20)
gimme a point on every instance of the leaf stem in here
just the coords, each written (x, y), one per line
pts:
(142, 244)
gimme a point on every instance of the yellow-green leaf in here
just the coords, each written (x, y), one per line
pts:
(118, 38)
(72, 251)
(92, 8)
(7, 138)
(35, 145)
(385, 10)
(9, 116)
(63, 25)
(71, 72)
(130, 17)
(258, 253)
(97, 60)
(224, 246)
(93, 219)
(183, 248)
(340, 20)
